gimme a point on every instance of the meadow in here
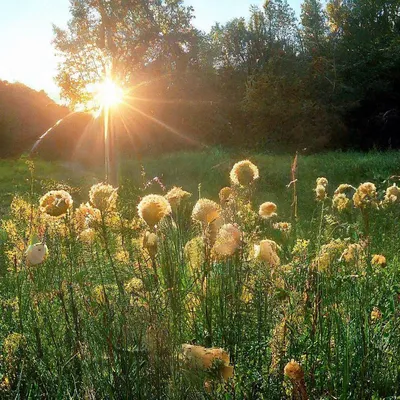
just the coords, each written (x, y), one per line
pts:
(285, 284)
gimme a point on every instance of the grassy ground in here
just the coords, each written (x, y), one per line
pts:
(206, 173)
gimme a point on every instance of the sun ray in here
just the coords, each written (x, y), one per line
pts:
(164, 125)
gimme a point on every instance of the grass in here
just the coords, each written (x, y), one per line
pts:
(106, 313)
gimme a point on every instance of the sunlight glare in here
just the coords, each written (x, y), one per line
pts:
(109, 94)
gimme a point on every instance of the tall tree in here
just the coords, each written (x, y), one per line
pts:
(132, 38)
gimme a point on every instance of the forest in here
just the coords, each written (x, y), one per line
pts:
(327, 79)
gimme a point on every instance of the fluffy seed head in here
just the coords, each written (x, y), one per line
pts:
(176, 195)
(103, 197)
(378, 260)
(206, 211)
(225, 194)
(227, 241)
(200, 357)
(322, 181)
(244, 173)
(365, 196)
(56, 203)
(267, 251)
(341, 202)
(392, 194)
(320, 192)
(36, 253)
(153, 208)
(294, 371)
(267, 210)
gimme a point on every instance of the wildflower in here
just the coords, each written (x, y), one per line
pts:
(199, 357)
(344, 188)
(87, 235)
(284, 227)
(86, 216)
(56, 203)
(225, 195)
(392, 194)
(122, 256)
(150, 243)
(103, 197)
(36, 253)
(227, 240)
(328, 254)
(206, 211)
(244, 173)
(354, 252)
(320, 192)
(341, 202)
(134, 286)
(267, 210)
(176, 195)
(294, 371)
(378, 260)
(365, 196)
(267, 251)
(376, 314)
(153, 208)
(322, 181)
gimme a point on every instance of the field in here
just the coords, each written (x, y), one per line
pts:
(198, 299)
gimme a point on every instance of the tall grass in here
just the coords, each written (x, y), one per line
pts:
(106, 313)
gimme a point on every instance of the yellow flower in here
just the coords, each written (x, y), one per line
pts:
(376, 314)
(87, 235)
(354, 252)
(206, 211)
(267, 251)
(365, 196)
(294, 371)
(322, 181)
(227, 241)
(86, 216)
(225, 194)
(36, 253)
(320, 192)
(244, 173)
(199, 357)
(153, 208)
(103, 197)
(150, 243)
(134, 286)
(344, 188)
(341, 202)
(328, 254)
(267, 210)
(176, 195)
(392, 194)
(285, 227)
(378, 260)
(56, 203)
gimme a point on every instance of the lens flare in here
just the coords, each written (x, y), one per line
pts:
(109, 94)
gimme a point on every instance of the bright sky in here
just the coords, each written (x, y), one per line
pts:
(26, 53)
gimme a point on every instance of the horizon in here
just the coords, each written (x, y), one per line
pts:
(36, 50)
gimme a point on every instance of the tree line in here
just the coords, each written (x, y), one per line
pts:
(328, 79)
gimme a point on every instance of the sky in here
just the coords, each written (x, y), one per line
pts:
(26, 53)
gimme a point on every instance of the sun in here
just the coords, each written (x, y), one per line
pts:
(109, 94)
